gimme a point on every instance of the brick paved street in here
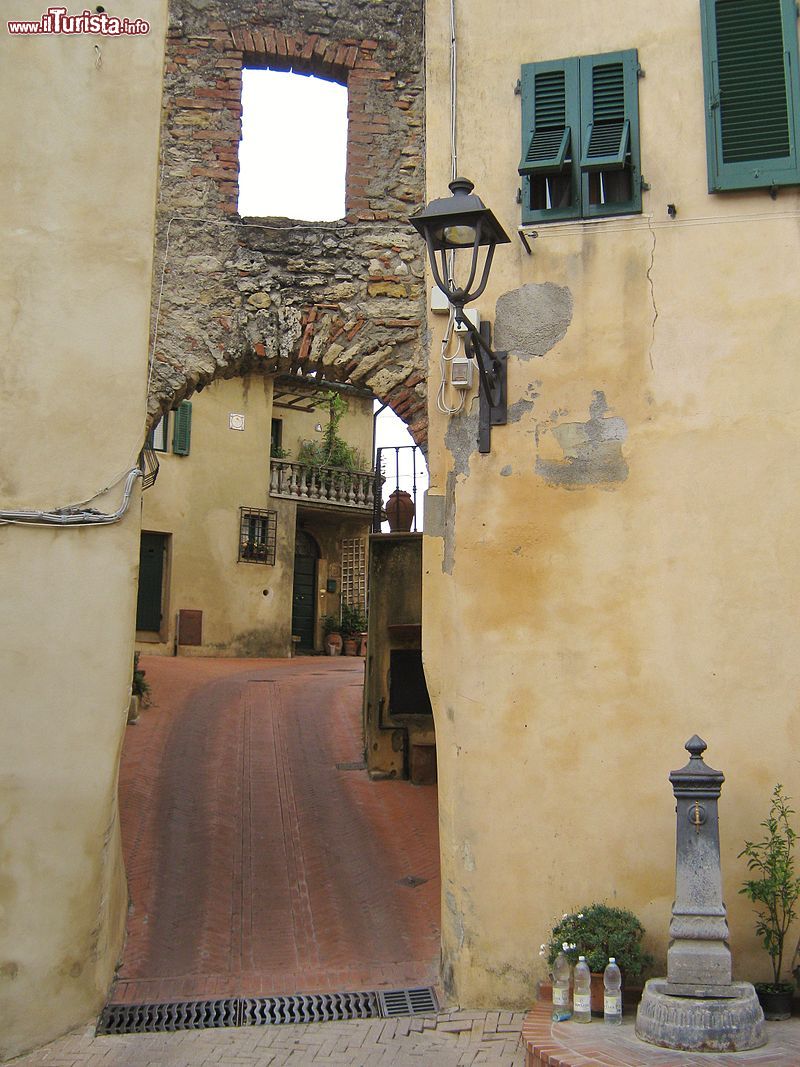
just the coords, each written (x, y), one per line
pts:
(453, 1039)
(259, 860)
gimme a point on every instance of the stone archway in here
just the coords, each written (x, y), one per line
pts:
(342, 300)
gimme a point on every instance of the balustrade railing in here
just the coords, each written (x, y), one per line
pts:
(321, 485)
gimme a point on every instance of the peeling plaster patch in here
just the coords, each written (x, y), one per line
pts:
(467, 857)
(434, 514)
(449, 556)
(592, 450)
(530, 320)
(521, 408)
(508, 469)
(461, 440)
(456, 915)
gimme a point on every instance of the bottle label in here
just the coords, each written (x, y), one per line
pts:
(612, 1005)
(560, 997)
(582, 1002)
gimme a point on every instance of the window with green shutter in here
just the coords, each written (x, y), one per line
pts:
(752, 89)
(182, 429)
(580, 137)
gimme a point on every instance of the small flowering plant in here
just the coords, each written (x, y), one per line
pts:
(597, 932)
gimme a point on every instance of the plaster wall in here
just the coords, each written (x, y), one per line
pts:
(622, 570)
(78, 170)
(247, 607)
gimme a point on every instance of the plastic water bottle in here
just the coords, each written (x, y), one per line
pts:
(582, 993)
(612, 997)
(561, 1006)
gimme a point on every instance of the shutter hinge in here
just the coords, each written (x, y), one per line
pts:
(640, 71)
(518, 88)
(713, 101)
(643, 185)
(519, 196)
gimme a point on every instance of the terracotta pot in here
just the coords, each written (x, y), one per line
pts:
(333, 644)
(400, 511)
(350, 647)
(597, 993)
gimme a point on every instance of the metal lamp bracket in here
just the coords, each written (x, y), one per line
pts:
(493, 392)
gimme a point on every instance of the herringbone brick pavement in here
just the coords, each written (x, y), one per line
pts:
(450, 1039)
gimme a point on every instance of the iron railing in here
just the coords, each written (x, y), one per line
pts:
(398, 467)
(321, 485)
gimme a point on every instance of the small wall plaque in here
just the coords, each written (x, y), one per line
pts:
(236, 422)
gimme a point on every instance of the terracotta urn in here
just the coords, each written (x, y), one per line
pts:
(333, 644)
(400, 511)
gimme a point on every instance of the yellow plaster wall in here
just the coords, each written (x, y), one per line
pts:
(78, 170)
(576, 637)
(247, 607)
(197, 499)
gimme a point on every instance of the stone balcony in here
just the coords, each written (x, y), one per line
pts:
(322, 486)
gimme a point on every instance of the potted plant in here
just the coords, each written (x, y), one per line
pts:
(140, 690)
(332, 635)
(354, 623)
(774, 889)
(332, 451)
(597, 932)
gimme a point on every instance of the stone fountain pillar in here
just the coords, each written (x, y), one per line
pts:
(697, 1007)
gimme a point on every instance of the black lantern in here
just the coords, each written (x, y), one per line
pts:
(462, 222)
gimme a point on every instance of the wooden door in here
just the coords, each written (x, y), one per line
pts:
(304, 597)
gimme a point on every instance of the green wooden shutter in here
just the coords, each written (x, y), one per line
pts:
(610, 130)
(182, 432)
(750, 67)
(550, 133)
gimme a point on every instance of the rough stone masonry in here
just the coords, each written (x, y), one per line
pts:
(233, 296)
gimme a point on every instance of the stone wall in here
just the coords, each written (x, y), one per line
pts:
(346, 298)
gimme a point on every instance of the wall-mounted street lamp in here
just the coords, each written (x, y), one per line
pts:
(462, 222)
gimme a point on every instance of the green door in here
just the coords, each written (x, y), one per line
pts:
(151, 577)
(305, 588)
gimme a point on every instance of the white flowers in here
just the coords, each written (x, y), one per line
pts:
(580, 915)
(565, 946)
(565, 915)
(542, 950)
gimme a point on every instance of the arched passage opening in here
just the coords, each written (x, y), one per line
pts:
(256, 760)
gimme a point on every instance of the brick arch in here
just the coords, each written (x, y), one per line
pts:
(344, 300)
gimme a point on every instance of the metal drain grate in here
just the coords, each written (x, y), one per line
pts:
(264, 1011)
(408, 1002)
(318, 1008)
(157, 1018)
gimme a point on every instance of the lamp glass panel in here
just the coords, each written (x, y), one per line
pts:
(460, 234)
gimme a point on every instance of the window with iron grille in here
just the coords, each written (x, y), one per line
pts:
(354, 572)
(257, 535)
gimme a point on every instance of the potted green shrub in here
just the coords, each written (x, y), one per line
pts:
(332, 451)
(774, 889)
(354, 624)
(140, 691)
(331, 635)
(597, 932)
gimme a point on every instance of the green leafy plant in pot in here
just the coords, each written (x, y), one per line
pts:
(597, 932)
(774, 889)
